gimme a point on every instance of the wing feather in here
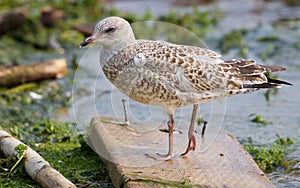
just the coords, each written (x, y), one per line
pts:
(187, 69)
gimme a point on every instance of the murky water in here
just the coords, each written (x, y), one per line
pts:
(94, 95)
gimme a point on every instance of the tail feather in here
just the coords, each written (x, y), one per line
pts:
(263, 85)
(280, 82)
(250, 67)
(272, 83)
(272, 68)
(252, 74)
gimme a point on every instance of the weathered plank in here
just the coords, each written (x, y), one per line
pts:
(222, 161)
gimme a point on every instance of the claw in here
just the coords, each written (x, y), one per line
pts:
(191, 145)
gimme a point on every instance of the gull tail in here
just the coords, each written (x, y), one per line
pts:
(252, 75)
(271, 83)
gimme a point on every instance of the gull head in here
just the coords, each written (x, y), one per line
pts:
(111, 32)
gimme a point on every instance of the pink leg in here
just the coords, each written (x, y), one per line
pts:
(192, 138)
(170, 154)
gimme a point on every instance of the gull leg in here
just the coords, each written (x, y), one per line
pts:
(192, 139)
(170, 154)
(171, 129)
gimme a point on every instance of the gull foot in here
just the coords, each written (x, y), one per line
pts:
(191, 145)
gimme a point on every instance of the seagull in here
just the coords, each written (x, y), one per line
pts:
(172, 75)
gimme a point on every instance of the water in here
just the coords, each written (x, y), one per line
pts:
(96, 96)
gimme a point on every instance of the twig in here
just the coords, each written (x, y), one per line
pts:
(125, 111)
(203, 130)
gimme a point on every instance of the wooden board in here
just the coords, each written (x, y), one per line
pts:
(220, 161)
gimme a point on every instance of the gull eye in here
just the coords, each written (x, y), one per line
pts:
(110, 30)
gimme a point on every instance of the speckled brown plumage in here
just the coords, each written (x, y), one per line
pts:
(172, 75)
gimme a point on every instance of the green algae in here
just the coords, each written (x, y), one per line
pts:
(30, 119)
(270, 156)
(258, 119)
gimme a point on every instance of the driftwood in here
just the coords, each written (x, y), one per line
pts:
(15, 75)
(35, 166)
(11, 20)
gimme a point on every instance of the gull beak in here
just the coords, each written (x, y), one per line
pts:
(87, 41)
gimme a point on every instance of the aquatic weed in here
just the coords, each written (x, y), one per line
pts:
(269, 156)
